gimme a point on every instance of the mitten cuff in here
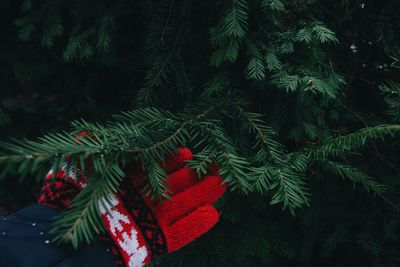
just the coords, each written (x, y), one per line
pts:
(133, 227)
(125, 232)
(58, 192)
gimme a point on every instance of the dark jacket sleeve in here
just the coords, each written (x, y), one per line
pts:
(25, 241)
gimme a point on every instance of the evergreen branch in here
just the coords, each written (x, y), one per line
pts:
(228, 51)
(104, 40)
(235, 21)
(78, 46)
(265, 136)
(337, 146)
(156, 176)
(275, 5)
(323, 34)
(255, 69)
(304, 35)
(273, 62)
(286, 185)
(183, 125)
(299, 161)
(290, 189)
(290, 83)
(115, 138)
(51, 145)
(158, 73)
(233, 167)
(167, 20)
(352, 174)
(289, 62)
(146, 117)
(219, 83)
(391, 90)
(228, 33)
(202, 160)
(261, 178)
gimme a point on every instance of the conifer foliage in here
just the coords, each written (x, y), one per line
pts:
(270, 90)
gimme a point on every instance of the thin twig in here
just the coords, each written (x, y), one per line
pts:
(167, 20)
(183, 125)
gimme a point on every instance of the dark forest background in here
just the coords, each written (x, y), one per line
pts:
(65, 60)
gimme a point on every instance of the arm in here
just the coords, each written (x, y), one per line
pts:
(140, 228)
(25, 242)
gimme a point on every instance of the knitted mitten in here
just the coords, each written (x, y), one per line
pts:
(143, 228)
(58, 192)
(60, 188)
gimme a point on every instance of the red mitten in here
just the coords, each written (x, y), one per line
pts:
(143, 228)
(58, 192)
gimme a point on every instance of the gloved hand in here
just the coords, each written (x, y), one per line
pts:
(143, 228)
(140, 227)
(58, 192)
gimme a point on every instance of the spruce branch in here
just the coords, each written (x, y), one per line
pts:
(272, 61)
(226, 36)
(276, 5)
(179, 130)
(233, 166)
(158, 73)
(255, 69)
(279, 53)
(235, 21)
(337, 146)
(353, 174)
(323, 34)
(202, 160)
(265, 136)
(290, 189)
(172, 2)
(391, 91)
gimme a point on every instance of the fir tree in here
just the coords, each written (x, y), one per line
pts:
(270, 90)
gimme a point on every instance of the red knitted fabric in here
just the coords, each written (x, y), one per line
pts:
(57, 192)
(60, 188)
(142, 228)
(142, 231)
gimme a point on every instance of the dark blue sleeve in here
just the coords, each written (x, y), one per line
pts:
(25, 241)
